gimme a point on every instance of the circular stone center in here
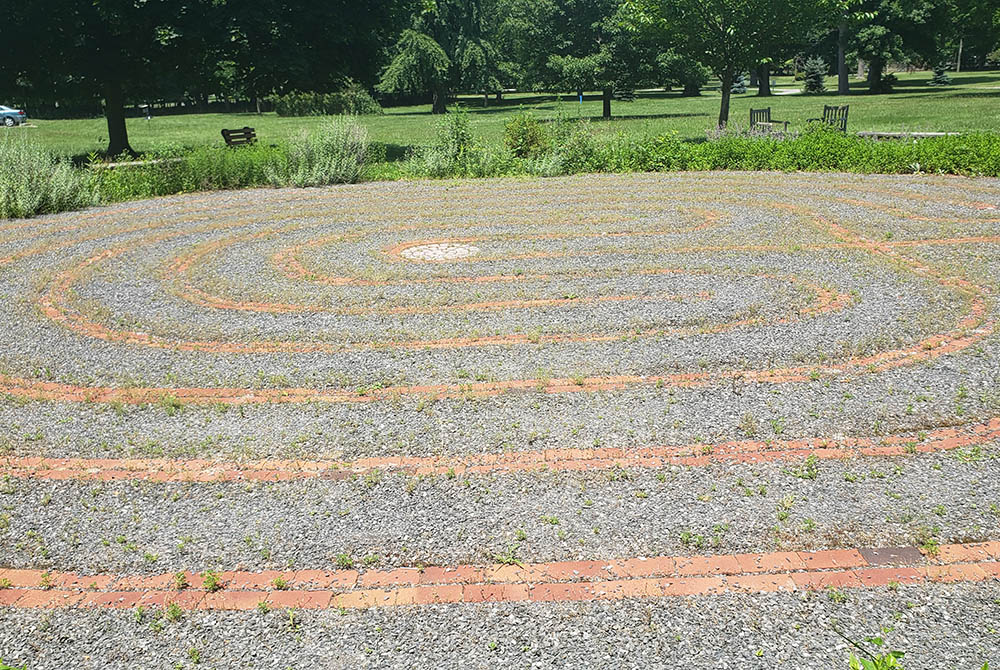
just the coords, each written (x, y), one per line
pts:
(444, 251)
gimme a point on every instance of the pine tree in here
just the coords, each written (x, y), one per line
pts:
(815, 73)
(739, 84)
(940, 77)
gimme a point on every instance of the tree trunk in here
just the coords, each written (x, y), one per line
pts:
(486, 99)
(875, 75)
(764, 80)
(606, 95)
(958, 62)
(499, 97)
(727, 91)
(843, 84)
(861, 69)
(114, 111)
(754, 79)
(439, 102)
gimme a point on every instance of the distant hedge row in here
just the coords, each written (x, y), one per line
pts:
(353, 99)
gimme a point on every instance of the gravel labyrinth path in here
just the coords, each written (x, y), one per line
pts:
(702, 421)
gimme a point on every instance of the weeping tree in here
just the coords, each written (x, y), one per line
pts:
(420, 65)
(446, 48)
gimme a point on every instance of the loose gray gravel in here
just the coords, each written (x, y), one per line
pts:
(133, 527)
(940, 627)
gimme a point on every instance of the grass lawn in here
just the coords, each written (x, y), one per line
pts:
(970, 104)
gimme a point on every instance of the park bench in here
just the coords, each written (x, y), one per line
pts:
(835, 116)
(239, 136)
(761, 118)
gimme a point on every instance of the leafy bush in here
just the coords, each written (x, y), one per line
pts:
(814, 73)
(336, 153)
(525, 135)
(33, 180)
(353, 99)
(452, 149)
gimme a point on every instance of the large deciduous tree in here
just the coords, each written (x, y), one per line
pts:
(104, 48)
(129, 50)
(725, 35)
(578, 45)
(892, 29)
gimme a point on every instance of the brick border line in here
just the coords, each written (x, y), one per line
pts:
(569, 459)
(565, 581)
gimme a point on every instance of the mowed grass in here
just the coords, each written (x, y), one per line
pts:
(971, 103)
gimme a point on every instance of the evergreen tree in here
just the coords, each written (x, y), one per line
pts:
(815, 73)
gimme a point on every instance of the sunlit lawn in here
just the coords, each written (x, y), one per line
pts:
(972, 103)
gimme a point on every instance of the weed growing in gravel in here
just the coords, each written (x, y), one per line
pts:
(809, 469)
(748, 425)
(194, 655)
(180, 581)
(836, 595)
(171, 405)
(344, 561)
(279, 583)
(263, 607)
(173, 612)
(508, 557)
(5, 583)
(211, 581)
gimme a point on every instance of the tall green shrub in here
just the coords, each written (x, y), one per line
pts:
(353, 100)
(525, 135)
(33, 180)
(335, 153)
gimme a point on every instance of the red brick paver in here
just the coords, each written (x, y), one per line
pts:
(566, 581)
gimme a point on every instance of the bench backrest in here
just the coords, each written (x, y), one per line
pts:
(836, 116)
(238, 136)
(760, 116)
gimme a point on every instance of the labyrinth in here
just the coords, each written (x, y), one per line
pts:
(510, 422)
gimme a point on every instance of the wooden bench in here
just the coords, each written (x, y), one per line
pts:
(239, 136)
(761, 118)
(835, 116)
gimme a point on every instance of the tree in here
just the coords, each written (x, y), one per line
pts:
(725, 35)
(844, 15)
(106, 48)
(446, 47)
(897, 28)
(127, 50)
(578, 45)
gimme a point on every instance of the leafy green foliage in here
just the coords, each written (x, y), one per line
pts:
(420, 65)
(336, 153)
(353, 100)
(33, 180)
(525, 135)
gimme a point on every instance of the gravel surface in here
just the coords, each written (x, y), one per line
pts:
(576, 278)
(943, 627)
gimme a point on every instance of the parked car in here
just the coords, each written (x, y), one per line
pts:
(12, 117)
